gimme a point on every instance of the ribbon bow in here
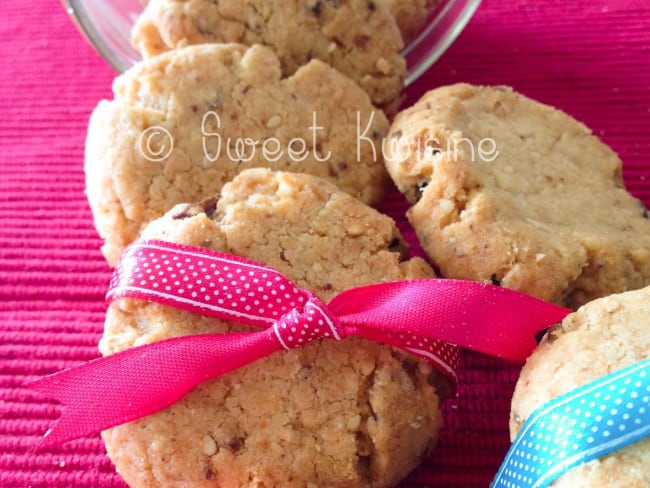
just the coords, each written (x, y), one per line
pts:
(429, 318)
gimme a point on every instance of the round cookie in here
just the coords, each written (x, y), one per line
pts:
(508, 190)
(601, 337)
(350, 414)
(360, 38)
(184, 123)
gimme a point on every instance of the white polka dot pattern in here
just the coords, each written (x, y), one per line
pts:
(296, 329)
(206, 282)
(234, 288)
(444, 355)
(419, 316)
(585, 424)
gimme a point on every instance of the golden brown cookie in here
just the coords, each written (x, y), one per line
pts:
(508, 190)
(360, 38)
(603, 336)
(184, 123)
(337, 414)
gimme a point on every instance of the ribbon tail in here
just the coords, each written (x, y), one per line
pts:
(136, 382)
(485, 318)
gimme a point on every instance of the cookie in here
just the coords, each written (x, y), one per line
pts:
(352, 413)
(410, 15)
(603, 336)
(184, 123)
(359, 38)
(507, 190)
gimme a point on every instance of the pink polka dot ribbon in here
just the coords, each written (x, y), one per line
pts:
(429, 318)
(587, 423)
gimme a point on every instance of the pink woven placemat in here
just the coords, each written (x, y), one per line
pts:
(590, 58)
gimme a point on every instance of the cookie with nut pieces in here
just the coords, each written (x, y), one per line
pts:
(184, 123)
(352, 413)
(507, 190)
(603, 336)
(359, 38)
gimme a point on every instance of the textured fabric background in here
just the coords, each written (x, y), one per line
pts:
(590, 58)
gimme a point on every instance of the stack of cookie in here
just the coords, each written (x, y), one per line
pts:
(208, 123)
(186, 122)
(362, 39)
(274, 152)
(350, 413)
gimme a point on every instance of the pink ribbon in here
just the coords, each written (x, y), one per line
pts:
(429, 318)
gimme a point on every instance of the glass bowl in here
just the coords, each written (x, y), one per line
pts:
(107, 26)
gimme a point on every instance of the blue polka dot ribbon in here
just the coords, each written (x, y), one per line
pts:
(577, 427)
